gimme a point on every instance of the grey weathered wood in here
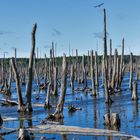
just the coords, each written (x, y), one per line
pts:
(72, 77)
(59, 109)
(110, 65)
(114, 70)
(49, 89)
(134, 91)
(96, 69)
(55, 88)
(121, 66)
(24, 134)
(131, 71)
(20, 100)
(92, 74)
(30, 69)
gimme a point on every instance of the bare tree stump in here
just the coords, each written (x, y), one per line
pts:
(112, 119)
(96, 69)
(24, 135)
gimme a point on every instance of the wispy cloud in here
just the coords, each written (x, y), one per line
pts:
(56, 32)
(99, 35)
(5, 32)
(122, 16)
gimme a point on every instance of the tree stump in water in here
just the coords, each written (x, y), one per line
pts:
(24, 135)
(112, 119)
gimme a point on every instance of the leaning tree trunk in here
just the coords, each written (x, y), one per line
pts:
(20, 101)
(30, 69)
(59, 109)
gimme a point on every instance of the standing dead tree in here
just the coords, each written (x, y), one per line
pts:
(30, 70)
(105, 65)
(96, 69)
(59, 109)
(121, 66)
(92, 74)
(131, 71)
(21, 106)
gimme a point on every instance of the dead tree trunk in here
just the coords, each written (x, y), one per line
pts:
(131, 71)
(117, 73)
(92, 74)
(30, 69)
(76, 66)
(47, 104)
(72, 78)
(96, 69)
(55, 88)
(134, 92)
(84, 79)
(114, 71)
(110, 65)
(20, 100)
(59, 108)
(121, 66)
(105, 64)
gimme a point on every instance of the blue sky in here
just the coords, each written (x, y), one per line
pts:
(74, 22)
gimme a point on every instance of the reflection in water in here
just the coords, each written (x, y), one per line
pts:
(23, 118)
(64, 137)
(135, 109)
(94, 113)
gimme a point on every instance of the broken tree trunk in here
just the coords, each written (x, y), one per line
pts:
(96, 69)
(92, 74)
(30, 69)
(20, 100)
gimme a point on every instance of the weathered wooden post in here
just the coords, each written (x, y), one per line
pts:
(131, 71)
(92, 74)
(72, 77)
(96, 69)
(20, 100)
(30, 69)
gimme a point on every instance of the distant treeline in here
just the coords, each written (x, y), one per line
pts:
(58, 60)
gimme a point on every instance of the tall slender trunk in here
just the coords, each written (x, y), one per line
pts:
(30, 69)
